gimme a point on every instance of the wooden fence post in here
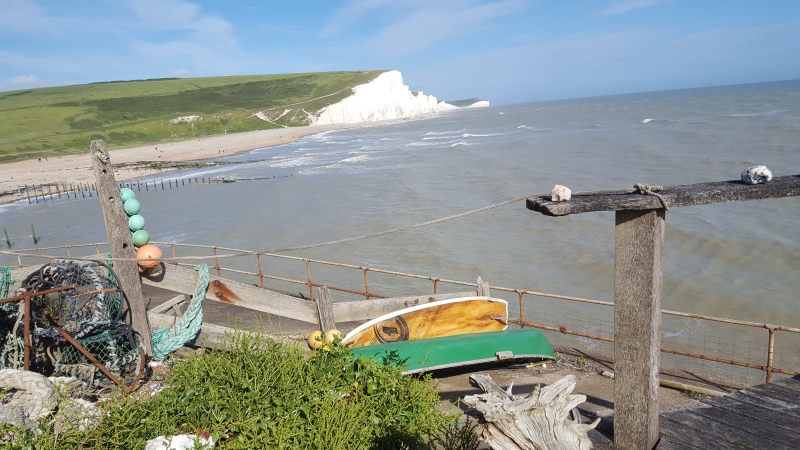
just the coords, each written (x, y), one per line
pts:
(639, 250)
(325, 309)
(120, 241)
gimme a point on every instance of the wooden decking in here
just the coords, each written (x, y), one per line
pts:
(762, 417)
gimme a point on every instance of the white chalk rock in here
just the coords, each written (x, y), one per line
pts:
(756, 175)
(180, 442)
(560, 193)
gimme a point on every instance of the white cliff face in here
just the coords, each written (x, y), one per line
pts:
(383, 98)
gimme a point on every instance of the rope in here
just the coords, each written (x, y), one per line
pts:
(5, 282)
(640, 188)
(166, 341)
(646, 189)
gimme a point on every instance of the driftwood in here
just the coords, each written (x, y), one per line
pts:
(538, 421)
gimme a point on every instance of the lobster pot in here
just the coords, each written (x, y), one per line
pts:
(118, 350)
(92, 312)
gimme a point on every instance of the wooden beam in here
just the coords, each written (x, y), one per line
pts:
(164, 307)
(684, 195)
(120, 241)
(363, 310)
(325, 306)
(637, 327)
(223, 290)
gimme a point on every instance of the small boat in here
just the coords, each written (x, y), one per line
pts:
(425, 355)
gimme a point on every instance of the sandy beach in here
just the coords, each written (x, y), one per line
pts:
(78, 168)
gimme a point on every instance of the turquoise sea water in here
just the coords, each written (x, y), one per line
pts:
(737, 260)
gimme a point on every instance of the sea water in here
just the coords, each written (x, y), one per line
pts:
(736, 260)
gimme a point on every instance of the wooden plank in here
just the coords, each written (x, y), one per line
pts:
(767, 403)
(231, 292)
(754, 412)
(483, 288)
(759, 426)
(789, 383)
(778, 393)
(639, 245)
(325, 313)
(120, 241)
(363, 310)
(667, 443)
(683, 195)
(164, 307)
(210, 334)
(732, 434)
(693, 437)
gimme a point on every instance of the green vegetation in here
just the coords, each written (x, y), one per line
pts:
(256, 394)
(57, 121)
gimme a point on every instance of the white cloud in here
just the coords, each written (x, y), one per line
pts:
(420, 23)
(438, 21)
(621, 7)
(24, 16)
(206, 38)
(345, 17)
(179, 73)
(22, 82)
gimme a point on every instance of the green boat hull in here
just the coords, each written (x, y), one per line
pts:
(424, 355)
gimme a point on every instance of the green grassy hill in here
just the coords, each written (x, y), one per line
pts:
(62, 120)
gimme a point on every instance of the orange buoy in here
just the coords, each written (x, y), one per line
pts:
(331, 335)
(313, 340)
(148, 251)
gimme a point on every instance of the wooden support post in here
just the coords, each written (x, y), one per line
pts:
(483, 288)
(637, 327)
(119, 239)
(325, 309)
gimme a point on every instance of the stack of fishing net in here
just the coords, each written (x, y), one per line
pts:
(91, 312)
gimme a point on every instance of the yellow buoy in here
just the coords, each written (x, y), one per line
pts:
(331, 335)
(312, 340)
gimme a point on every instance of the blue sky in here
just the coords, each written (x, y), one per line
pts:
(508, 51)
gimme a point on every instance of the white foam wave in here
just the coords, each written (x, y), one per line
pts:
(444, 132)
(387, 139)
(358, 158)
(648, 120)
(294, 162)
(482, 135)
(433, 138)
(521, 127)
(460, 143)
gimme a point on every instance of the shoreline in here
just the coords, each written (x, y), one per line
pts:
(78, 168)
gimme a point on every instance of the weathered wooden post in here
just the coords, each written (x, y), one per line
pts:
(325, 309)
(639, 247)
(120, 241)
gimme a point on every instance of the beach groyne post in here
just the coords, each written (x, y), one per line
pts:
(120, 241)
(33, 235)
(638, 282)
(8, 241)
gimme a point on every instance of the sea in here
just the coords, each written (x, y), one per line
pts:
(736, 260)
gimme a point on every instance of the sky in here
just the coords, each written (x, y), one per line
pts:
(507, 51)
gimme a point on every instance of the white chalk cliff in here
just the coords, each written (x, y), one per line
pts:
(384, 98)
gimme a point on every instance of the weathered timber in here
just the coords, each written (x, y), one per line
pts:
(639, 247)
(325, 309)
(760, 426)
(789, 383)
(696, 438)
(210, 334)
(723, 432)
(537, 421)
(120, 241)
(164, 307)
(227, 291)
(683, 195)
(752, 413)
(231, 292)
(483, 288)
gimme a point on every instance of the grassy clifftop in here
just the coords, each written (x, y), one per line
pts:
(62, 120)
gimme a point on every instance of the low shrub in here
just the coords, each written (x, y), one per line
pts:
(253, 393)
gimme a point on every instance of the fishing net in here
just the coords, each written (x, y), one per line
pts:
(91, 312)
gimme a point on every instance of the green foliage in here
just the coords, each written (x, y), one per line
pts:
(62, 120)
(251, 393)
(581, 361)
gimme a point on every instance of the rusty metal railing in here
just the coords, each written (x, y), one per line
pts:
(768, 367)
